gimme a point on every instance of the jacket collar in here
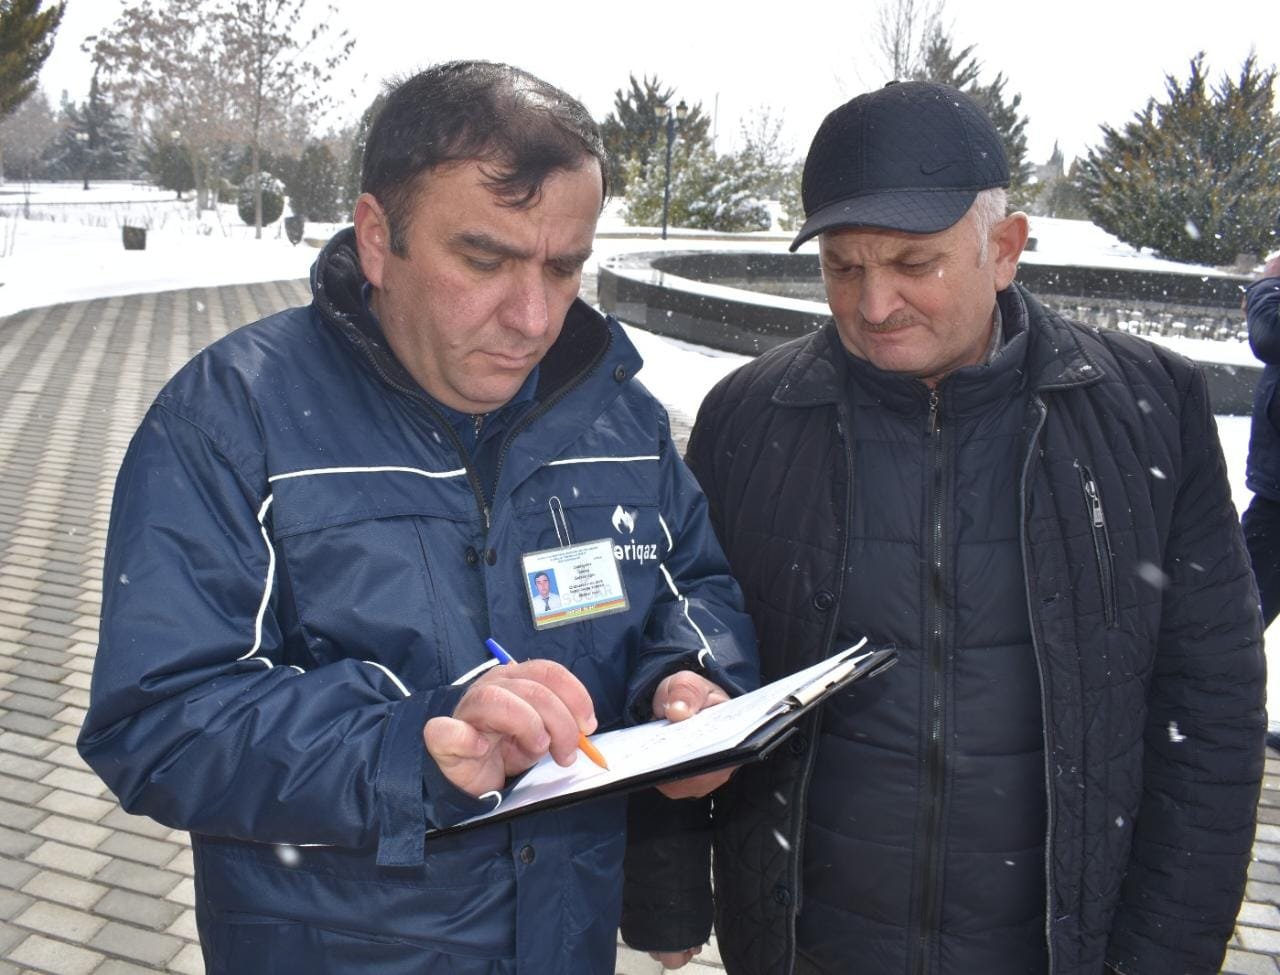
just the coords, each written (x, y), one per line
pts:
(1056, 358)
(584, 341)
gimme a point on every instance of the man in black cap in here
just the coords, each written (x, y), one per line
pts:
(1060, 774)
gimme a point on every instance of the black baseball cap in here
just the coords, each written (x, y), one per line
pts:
(911, 156)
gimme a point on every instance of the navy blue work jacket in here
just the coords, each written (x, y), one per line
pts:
(301, 570)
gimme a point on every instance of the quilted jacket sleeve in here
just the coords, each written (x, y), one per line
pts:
(667, 899)
(697, 621)
(1194, 831)
(196, 721)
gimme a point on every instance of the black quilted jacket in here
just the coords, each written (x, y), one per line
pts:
(1146, 632)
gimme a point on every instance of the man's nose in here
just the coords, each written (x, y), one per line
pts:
(526, 307)
(878, 296)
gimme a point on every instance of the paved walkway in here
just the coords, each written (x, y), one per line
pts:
(86, 889)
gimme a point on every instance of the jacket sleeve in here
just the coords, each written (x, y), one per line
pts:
(1203, 744)
(667, 899)
(1262, 311)
(697, 621)
(195, 718)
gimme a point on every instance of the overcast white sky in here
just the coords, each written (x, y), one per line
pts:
(1077, 65)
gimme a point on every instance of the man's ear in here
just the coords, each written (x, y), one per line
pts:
(373, 238)
(1008, 238)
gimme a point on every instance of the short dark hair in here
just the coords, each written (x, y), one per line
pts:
(519, 128)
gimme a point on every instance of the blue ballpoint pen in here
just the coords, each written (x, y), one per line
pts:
(584, 744)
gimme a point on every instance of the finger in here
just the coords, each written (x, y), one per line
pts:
(529, 713)
(465, 756)
(675, 959)
(559, 680)
(492, 709)
(695, 786)
(449, 740)
(684, 694)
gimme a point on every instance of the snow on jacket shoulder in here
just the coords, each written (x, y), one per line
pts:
(300, 566)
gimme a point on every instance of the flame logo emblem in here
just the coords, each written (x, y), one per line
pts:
(623, 521)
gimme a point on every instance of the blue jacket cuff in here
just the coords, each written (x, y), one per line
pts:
(413, 793)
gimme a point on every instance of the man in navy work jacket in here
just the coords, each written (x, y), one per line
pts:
(325, 514)
(1060, 773)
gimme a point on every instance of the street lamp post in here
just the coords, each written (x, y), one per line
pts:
(664, 115)
(83, 139)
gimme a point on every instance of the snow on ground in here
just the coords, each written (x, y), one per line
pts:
(70, 250)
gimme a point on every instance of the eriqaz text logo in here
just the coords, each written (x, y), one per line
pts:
(624, 522)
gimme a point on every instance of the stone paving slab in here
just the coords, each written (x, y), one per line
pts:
(86, 889)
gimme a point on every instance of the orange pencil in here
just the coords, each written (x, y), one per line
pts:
(584, 743)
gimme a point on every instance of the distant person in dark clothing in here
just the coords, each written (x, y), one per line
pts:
(1262, 472)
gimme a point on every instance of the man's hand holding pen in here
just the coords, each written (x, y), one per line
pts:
(508, 719)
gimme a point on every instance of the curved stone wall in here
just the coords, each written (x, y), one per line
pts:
(719, 299)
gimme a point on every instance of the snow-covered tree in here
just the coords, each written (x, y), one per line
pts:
(1194, 176)
(708, 192)
(25, 135)
(94, 142)
(26, 40)
(633, 131)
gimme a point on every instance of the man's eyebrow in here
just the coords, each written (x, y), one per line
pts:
(488, 244)
(573, 259)
(477, 240)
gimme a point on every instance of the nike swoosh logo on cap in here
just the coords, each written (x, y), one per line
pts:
(930, 169)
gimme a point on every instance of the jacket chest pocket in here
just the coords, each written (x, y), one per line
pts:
(371, 563)
(1103, 555)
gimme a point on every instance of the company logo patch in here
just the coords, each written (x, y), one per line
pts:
(624, 521)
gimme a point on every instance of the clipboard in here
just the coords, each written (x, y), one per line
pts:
(747, 729)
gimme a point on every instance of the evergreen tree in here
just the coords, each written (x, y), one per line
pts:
(708, 192)
(765, 153)
(168, 163)
(355, 159)
(1196, 176)
(26, 39)
(633, 131)
(960, 69)
(790, 199)
(93, 143)
(315, 187)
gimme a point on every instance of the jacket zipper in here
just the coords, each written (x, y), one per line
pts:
(1101, 545)
(934, 759)
(577, 380)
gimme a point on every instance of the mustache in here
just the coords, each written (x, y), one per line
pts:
(891, 324)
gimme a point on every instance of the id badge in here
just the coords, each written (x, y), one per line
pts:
(573, 583)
